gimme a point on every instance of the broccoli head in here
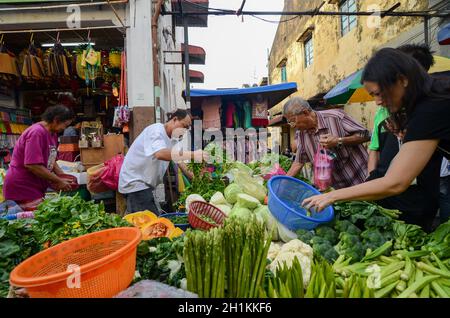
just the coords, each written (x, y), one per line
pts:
(378, 221)
(304, 235)
(351, 246)
(327, 233)
(373, 236)
(325, 249)
(347, 227)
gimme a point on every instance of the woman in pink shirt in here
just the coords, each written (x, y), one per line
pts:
(33, 166)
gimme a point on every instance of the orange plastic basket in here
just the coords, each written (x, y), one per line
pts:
(200, 208)
(106, 260)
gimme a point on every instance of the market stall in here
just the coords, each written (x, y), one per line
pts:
(39, 70)
(244, 108)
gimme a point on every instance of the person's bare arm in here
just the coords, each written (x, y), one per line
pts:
(57, 169)
(43, 173)
(374, 157)
(407, 165)
(186, 170)
(169, 155)
(295, 169)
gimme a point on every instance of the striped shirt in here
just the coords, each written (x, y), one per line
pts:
(350, 164)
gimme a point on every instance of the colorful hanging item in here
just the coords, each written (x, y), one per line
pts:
(122, 112)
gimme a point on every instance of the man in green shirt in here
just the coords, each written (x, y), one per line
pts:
(374, 147)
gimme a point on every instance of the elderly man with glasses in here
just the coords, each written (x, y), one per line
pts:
(333, 130)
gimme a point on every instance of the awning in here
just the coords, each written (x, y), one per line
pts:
(197, 54)
(274, 93)
(278, 120)
(196, 77)
(444, 35)
(192, 6)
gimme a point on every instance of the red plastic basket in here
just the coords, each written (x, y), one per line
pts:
(199, 208)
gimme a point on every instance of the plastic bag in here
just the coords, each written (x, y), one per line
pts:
(154, 289)
(95, 183)
(110, 173)
(9, 208)
(323, 169)
(275, 171)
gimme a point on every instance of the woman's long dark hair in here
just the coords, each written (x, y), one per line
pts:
(388, 65)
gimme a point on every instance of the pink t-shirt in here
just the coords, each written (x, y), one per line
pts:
(36, 146)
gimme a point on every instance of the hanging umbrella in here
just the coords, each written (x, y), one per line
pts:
(444, 35)
(350, 89)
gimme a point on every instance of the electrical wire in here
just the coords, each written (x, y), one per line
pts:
(273, 21)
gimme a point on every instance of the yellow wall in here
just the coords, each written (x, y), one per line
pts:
(335, 57)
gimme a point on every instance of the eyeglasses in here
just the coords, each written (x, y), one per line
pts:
(292, 123)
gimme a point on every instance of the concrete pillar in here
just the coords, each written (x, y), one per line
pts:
(141, 96)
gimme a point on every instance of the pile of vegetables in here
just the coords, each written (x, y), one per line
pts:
(359, 227)
(161, 259)
(17, 243)
(229, 261)
(288, 282)
(404, 274)
(64, 217)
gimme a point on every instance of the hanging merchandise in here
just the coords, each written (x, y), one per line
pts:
(115, 58)
(122, 112)
(88, 64)
(56, 62)
(248, 115)
(229, 116)
(259, 111)
(33, 68)
(211, 113)
(9, 68)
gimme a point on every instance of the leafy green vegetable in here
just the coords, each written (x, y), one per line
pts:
(155, 258)
(64, 217)
(17, 243)
(408, 236)
(439, 241)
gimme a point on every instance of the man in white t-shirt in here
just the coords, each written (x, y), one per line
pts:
(444, 198)
(148, 159)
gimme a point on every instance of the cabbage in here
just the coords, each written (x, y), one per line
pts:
(231, 192)
(271, 222)
(218, 198)
(239, 166)
(246, 201)
(251, 186)
(224, 208)
(191, 198)
(240, 212)
(285, 234)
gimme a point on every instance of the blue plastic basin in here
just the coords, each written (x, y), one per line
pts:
(286, 195)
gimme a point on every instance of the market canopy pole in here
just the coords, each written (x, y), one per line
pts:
(186, 61)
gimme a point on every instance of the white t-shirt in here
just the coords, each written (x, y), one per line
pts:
(140, 169)
(445, 168)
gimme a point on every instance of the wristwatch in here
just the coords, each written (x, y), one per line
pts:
(340, 143)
